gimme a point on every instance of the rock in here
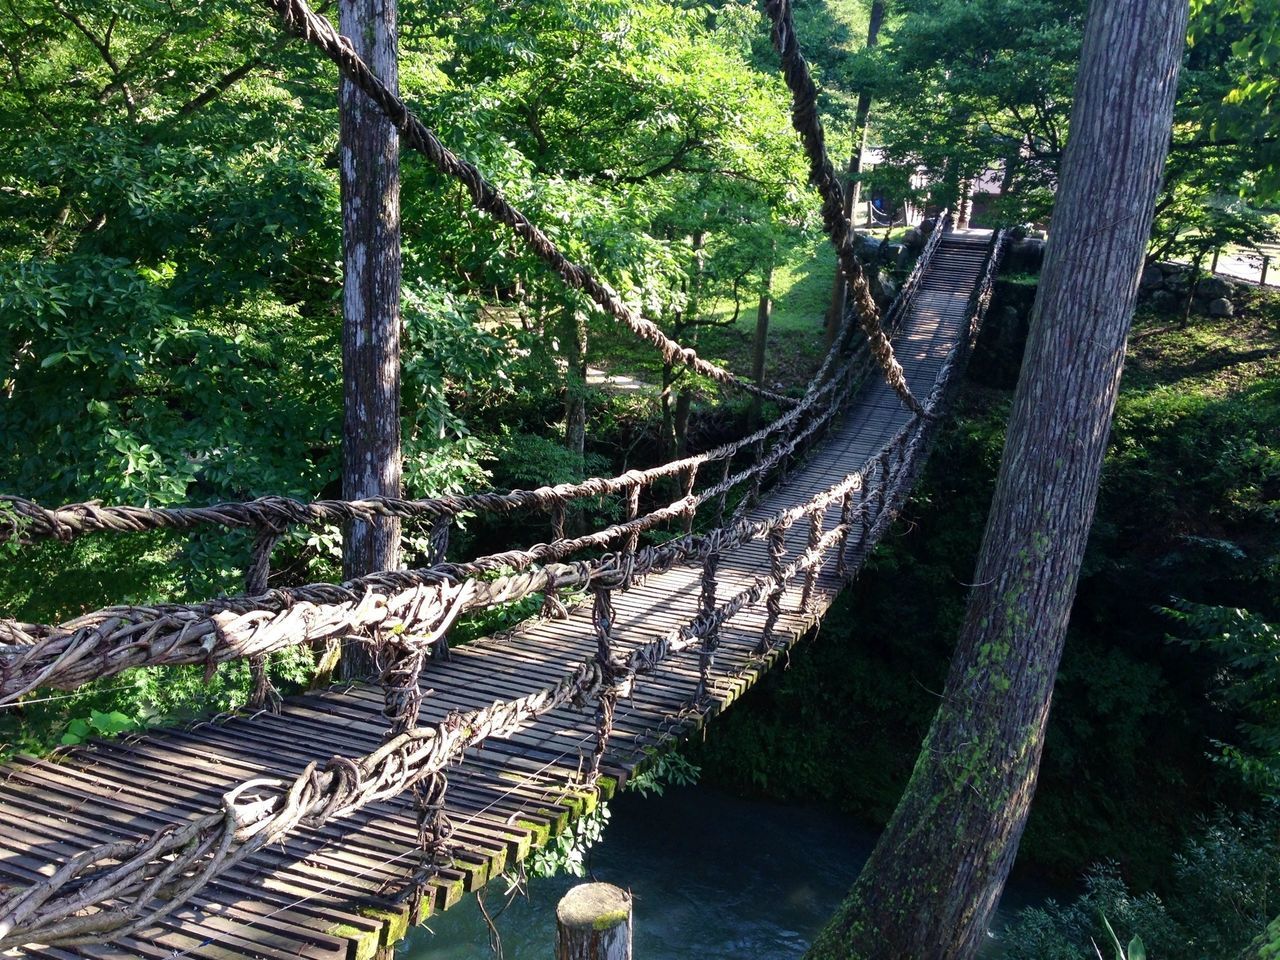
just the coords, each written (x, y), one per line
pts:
(1164, 301)
(1037, 235)
(1152, 277)
(1214, 288)
(1176, 278)
(913, 238)
(1221, 307)
(868, 247)
(1026, 256)
(888, 289)
(897, 254)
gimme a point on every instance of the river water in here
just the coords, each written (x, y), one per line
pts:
(713, 876)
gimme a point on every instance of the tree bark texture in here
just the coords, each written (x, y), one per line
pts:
(593, 922)
(575, 382)
(575, 404)
(933, 880)
(370, 180)
(759, 350)
(839, 288)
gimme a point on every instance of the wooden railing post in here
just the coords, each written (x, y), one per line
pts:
(724, 494)
(633, 538)
(757, 457)
(773, 602)
(842, 546)
(690, 478)
(602, 619)
(864, 512)
(707, 608)
(882, 488)
(262, 693)
(440, 530)
(557, 519)
(816, 515)
(593, 922)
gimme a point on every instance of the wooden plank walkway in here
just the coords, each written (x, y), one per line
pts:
(337, 892)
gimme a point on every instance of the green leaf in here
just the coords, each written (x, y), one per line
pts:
(114, 722)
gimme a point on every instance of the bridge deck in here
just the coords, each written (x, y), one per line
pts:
(334, 892)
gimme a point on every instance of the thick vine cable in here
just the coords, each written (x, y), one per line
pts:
(301, 21)
(804, 117)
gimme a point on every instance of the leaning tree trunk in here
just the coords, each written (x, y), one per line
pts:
(839, 287)
(370, 176)
(933, 880)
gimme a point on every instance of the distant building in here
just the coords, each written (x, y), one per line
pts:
(881, 209)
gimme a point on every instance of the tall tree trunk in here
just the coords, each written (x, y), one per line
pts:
(933, 880)
(666, 443)
(839, 289)
(575, 402)
(575, 393)
(964, 204)
(683, 413)
(370, 176)
(761, 346)
(689, 318)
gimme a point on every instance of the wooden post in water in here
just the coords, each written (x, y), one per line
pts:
(593, 922)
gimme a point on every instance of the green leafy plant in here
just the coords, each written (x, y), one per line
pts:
(566, 852)
(98, 724)
(1135, 951)
(666, 768)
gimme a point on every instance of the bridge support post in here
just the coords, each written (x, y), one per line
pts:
(593, 922)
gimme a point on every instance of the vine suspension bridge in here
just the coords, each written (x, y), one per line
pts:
(322, 827)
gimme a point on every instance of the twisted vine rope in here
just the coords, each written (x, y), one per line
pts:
(27, 521)
(804, 117)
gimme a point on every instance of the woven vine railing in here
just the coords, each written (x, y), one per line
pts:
(102, 643)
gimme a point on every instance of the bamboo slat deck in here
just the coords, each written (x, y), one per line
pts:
(338, 892)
